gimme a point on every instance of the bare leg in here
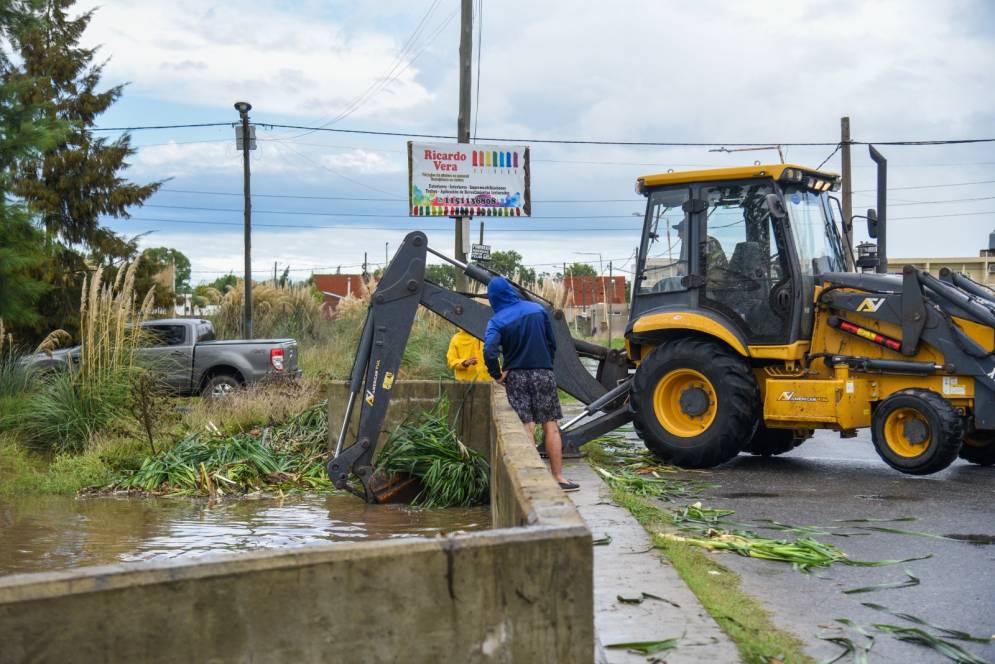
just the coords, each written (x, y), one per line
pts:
(530, 428)
(554, 449)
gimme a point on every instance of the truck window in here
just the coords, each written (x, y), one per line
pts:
(166, 335)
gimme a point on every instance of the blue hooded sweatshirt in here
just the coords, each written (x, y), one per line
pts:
(519, 329)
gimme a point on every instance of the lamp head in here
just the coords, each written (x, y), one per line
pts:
(243, 106)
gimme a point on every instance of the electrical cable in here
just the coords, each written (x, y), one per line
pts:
(480, 50)
(309, 213)
(560, 141)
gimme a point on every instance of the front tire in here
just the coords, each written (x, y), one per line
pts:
(917, 432)
(694, 403)
(979, 448)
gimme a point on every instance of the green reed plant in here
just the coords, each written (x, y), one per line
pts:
(425, 446)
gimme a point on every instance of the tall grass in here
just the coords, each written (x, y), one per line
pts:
(293, 310)
(15, 378)
(70, 407)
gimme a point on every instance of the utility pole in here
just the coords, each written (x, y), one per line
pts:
(847, 189)
(274, 274)
(386, 255)
(481, 231)
(366, 278)
(243, 108)
(463, 118)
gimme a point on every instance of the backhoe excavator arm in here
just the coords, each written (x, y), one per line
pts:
(385, 334)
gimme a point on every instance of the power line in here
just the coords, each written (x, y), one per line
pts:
(563, 141)
(928, 186)
(375, 228)
(173, 126)
(365, 214)
(523, 229)
(480, 51)
(386, 200)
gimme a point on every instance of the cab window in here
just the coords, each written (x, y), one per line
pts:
(166, 335)
(664, 254)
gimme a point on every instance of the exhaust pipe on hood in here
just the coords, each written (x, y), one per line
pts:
(882, 227)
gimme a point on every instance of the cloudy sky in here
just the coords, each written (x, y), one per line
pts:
(747, 72)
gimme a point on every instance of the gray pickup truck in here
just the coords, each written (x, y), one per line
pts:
(191, 361)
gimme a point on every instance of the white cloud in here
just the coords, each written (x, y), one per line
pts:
(211, 54)
(174, 159)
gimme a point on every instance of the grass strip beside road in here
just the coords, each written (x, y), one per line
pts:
(739, 615)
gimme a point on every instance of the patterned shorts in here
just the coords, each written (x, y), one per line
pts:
(532, 394)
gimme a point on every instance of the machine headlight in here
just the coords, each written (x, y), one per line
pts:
(791, 175)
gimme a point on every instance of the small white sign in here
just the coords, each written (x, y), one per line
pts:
(953, 387)
(480, 252)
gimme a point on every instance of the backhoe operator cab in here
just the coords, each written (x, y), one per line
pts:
(748, 332)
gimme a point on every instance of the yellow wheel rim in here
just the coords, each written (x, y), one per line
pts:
(684, 402)
(900, 432)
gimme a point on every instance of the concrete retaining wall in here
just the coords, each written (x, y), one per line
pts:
(519, 593)
(469, 408)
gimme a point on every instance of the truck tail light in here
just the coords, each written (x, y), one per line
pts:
(276, 358)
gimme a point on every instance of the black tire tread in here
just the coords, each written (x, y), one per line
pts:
(983, 455)
(949, 444)
(771, 442)
(743, 406)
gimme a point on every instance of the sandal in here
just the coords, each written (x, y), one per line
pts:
(569, 487)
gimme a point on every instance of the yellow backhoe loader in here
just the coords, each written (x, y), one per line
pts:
(750, 327)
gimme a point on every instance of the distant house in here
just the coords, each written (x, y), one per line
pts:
(336, 287)
(588, 291)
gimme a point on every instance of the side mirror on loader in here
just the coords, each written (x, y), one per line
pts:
(776, 207)
(872, 223)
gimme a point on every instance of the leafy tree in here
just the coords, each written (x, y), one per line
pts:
(509, 264)
(221, 284)
(72, 184)
(443, 275)
(165, 256)
(581, 270)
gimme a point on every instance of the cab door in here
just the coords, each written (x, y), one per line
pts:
(745, 260)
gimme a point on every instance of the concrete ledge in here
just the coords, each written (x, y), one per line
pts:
(514, 594)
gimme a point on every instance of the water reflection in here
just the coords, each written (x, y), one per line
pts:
(42, 533)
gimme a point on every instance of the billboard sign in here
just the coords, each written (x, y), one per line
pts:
(468, 179)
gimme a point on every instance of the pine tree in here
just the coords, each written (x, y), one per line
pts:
(72, 185)
(25, 132)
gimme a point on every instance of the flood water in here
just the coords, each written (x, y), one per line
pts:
(43, 533)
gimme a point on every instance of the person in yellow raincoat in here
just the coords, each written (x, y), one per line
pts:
(466, 357)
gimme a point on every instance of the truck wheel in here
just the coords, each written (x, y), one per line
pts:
(694, 403)
(220, 386)
(917, 432)
(979, 448)
(771, 442)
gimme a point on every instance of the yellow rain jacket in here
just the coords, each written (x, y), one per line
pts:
(463, 346)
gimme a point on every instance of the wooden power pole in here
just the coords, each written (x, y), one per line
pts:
(243, 108)
(463, 119)
(847, 187)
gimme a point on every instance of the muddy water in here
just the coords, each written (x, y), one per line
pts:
(57, 532)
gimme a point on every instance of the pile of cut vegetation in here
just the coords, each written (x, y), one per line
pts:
(425, 446)
(287, 457)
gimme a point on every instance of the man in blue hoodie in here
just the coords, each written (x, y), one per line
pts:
(521, 331)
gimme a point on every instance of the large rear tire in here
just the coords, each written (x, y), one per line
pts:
(917, 432)
(694, 403)
(771, 442)
(979, 448)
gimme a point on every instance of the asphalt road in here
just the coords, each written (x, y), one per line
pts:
(827, 479)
